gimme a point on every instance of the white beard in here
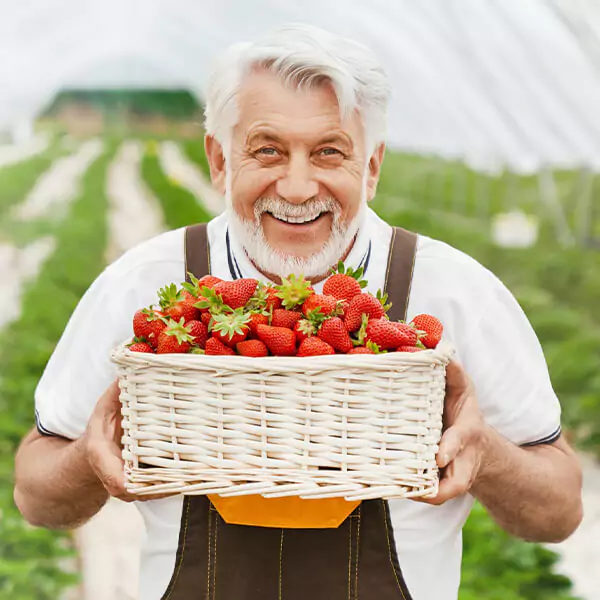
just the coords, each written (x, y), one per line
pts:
(271, 260)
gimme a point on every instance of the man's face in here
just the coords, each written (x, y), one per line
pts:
(297, 176)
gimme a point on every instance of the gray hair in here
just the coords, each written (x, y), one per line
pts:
(302, 55)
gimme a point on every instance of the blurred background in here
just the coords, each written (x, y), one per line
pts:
(494, 147)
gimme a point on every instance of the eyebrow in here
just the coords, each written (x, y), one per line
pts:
(334, 138)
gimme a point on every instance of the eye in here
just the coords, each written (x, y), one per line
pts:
(267, 151)
(330, 152)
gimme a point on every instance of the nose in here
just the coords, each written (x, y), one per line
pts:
(297, 184)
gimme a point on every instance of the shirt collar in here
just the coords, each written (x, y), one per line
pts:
(240, 265)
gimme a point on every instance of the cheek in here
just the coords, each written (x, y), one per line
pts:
(247, 186)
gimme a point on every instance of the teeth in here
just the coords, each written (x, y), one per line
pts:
(296, 220)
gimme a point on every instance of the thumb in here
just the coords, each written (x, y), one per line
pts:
(450, 446)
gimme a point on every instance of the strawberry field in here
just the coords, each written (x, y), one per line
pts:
(558, 286)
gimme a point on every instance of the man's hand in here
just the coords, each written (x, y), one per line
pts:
(102, 446)
(463, 443)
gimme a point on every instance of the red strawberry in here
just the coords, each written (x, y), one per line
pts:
(148, 324)
(141, 347)
(252, 348)
(174, 339)
(409, 334)
(236, 293)
(255, 320)
(362, 304)
(279, 340)
(361, 350)
(208, 281)
(334, 332)
(345, 283)
(432, 327)
(205, 317)
(231, 328)
(173, 304)
(322, 303)
(304, 328)
(384, 333)
(409, 349)
(314, 346)
(182, 309)
(272, 301)
(215, 347)
(198, 331)
(282, 317)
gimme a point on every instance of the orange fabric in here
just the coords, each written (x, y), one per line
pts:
(291, 512)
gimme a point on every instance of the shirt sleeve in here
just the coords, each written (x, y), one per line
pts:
(80, 370)
(504, 358)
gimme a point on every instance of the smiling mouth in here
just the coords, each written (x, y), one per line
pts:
(296, 220)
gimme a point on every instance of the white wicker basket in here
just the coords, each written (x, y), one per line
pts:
(352, 426)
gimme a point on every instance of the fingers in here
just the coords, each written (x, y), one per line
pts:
(456, 481)
(451, 445)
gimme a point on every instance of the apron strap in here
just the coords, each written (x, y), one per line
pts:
(197, 251)
(400, 267)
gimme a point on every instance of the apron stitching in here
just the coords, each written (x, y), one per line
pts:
(387, 535)
(281, 567)
(215, 565)
(209, 552)
(357, 551)
(178, 569)
(349, 558)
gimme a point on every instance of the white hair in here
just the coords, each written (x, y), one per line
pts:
(303, 56)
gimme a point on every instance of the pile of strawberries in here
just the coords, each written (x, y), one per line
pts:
(249, 318)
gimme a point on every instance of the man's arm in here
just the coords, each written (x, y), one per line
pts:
(60, 484)
(532, 492)
(55, 485)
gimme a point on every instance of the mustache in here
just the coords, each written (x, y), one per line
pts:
(281, 207)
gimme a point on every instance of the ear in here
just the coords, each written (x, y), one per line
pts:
(374, 170)
(216, 162)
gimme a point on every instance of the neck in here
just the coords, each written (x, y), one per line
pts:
(316, 279)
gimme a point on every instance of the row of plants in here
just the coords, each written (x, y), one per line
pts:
(180, 207)
(32, 559)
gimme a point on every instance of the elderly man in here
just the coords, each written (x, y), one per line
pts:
(295, 141)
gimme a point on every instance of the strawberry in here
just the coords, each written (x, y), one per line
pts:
(314, 346)
(149, 323)
(279, 340)
(344, 284)
(273, 301)
(326, 305)
(195, 285)
(215, 347)
(198, 331)
(363, 304)
(141, 347)
(293, 291)
(282, 317)
(236, 293)
(174, 339)
(383, 333)
(206, 317)
(252, 348)
(361, 350)
(334, 332)
(255, 320)
(409, 334)
(432, 328)
(409, 349)
(173, 304)
(304, 328)
(231, 328)
(264, 299)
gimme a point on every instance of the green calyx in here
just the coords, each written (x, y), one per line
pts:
(212, 301)
(361, 334)
(192, 286)
(354, 273)
(179, 332)
(293, 291)
(258, 300)
(383, 299)
(375, 348)
(168, 296)
(230, 324)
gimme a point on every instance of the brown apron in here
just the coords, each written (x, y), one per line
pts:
(355, 561)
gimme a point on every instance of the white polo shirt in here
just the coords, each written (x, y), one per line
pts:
(492, 336)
